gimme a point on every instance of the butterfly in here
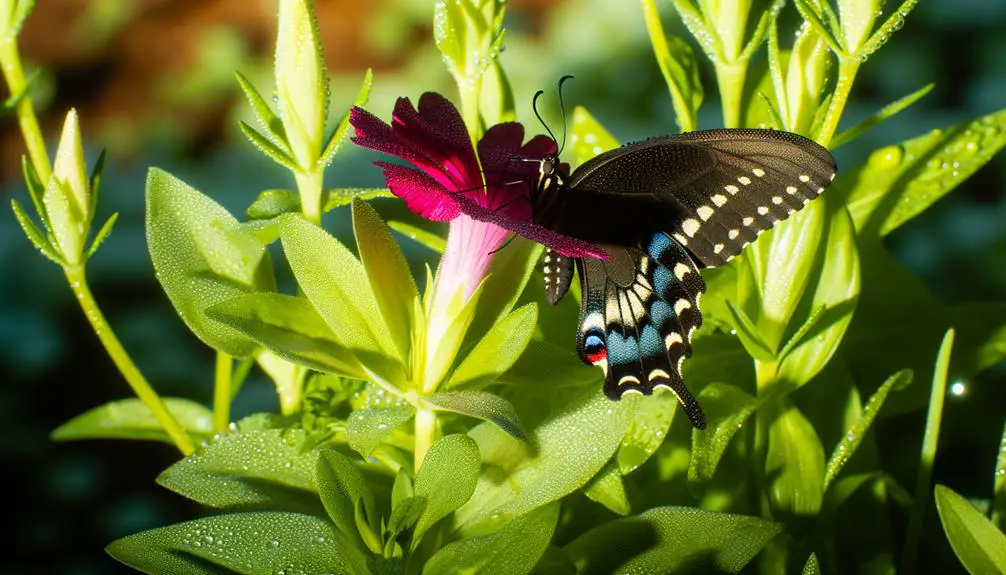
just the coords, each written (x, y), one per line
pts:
(663, 209)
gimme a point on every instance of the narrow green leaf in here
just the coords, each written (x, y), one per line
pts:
(266, 117)
(811, 567)
(679, 67)
(445, 351)
(342, 487)
(94, 181)
(565, 370)
(267, 542)
(404, 516)
(749, 336)
(999, 486)
(794, 462)
(337, 285)
(851, 440)
(588, 137)
(256, 469)
(388, 273)
(202, 257)
(803, 331)
(446, 479)
(370, 536)
(131, 419)
(898, 182)
(267, 147)
(980, 547)
(882, 114)
(402, 488)
(497, 351)
(696, 23)
(273, 203)
(419, 235)
(672, 540)
(497, 102)
(291, 328)
(338, 197)
(508, 274)
(483, 405)
(930, 439)
(36, 190)
(35, 236)
(893, 23)
(607, 489)
(339, 134)
(727, 409)
(814, 19)
(513, 550)
(368, 428)
(651, 419)
(103, 233)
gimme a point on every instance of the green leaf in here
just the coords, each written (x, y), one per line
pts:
(339, 134)
(291, 328)
(999, 485)
(273, 203)
(893, 23)
(898, 182)
(607, 489)
(497, 103)
(266, 117)
(497, 351)
(671, 540)
(402, 488)
(267, 147)
(419, 235)
(103, 233)
(749, 336)
(727, 409)
(581, 433)
(269, 542)
(342, 487)
(851, 440)
(337, 285)
(338, 197)
(794, 463)
(588, 137)
(980, 547)
(811, 567)
(678, 65)
(651, 419)
(131, 419)
(388, 274)
(35, 236)
(256, 469)
(882, 114)
(483, 405)
(404, 516)
(826, 29)
(437, 364)
(508, 274)
(446, 479)
(202, 257)
(368, 428)
(513, 550)
(565, 370)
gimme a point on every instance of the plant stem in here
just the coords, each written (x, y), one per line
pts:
(78, 283)
(309, 185)
(730, 78)
(929, 443)
(10, 62)
(847, 70)
(222, 392)
(426, 433)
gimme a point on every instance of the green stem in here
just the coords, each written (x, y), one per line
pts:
(309, 185)
(222, 392)
(426, 434)
(999, 487)
(730, 78)
(847, 70)
(78, 283)
(930, 439)
(10, 62)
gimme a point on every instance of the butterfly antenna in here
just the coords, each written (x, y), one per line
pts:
(562, 110)
(534, 106)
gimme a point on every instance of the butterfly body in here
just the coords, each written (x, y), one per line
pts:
(662, 209)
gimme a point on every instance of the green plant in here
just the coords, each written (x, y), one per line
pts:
(450, 430)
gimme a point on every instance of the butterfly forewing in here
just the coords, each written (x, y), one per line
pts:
(638, 313)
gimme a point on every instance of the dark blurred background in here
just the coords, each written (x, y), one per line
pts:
(153, 83)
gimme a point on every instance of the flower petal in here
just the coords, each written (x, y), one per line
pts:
(565, 245)
(499, 146)
(422, 194)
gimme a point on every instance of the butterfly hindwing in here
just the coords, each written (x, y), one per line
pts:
(558, 272)
(638, 311)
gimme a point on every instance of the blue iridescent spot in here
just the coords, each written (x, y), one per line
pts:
(662, 279)
(593, 343)
(659, 243)
(621, 349)
(650, 343)
(661, 313)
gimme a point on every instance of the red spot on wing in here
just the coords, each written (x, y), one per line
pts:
(598, 356)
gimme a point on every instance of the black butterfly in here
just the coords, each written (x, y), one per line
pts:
(663, 208)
